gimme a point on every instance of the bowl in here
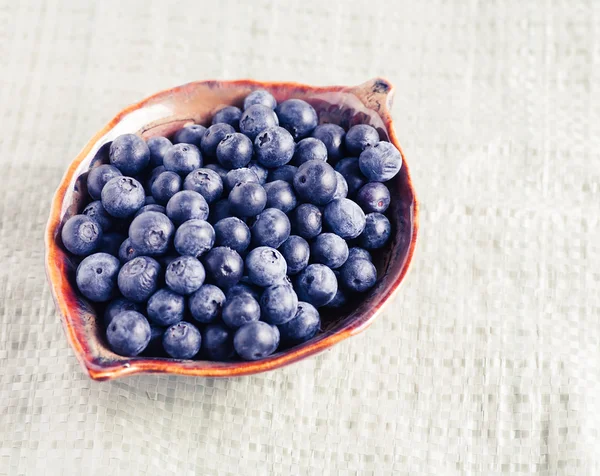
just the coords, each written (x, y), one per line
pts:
(164, 113)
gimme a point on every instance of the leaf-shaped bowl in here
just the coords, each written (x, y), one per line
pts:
(163, 114)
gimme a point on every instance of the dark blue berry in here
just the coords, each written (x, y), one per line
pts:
(185, 274)
(332, 136)
(183, 158)
(128, 334)
(296, 252)
(165, 186)
(191, 134)
(213, 136)
(194, 238)
(217, 342)
(303, 326)
(240, 310)
(345, 218)
(350, 170)
(149, 200)
(228, 115)
(309, 149)
(280, 195)
(271, 228)
(182, 340)
(98, 177)
(138, 278)
(218, 211)
(153, 207)
(278, 303)
(233, 233)
(285, 173)
(151, 233)
(359, 137)
(265, 266)
(234, 151)
(329, 249)
(339, 300)
(315, 182)
(358, 275)
(373, 197)
(316, 284)
(236, 176)
(218, 169)
(247, 199)
(381, 162)
(256, 119)
(165, 307)
(274, 147)
(187, 205)
(206, 182)
(244, 288)
(117, 306)
(129, 153)
(123, 196)
(359, 253)
(341, 189)
(206, 303)
(260, 96)
(81, 235)
(260, 171)
(97, 277)
(307, 221)
(156, 171)
(224, 266)
(376, 233)
(127, 251)
(111, 243)
(158, 148)
(298, 117)
(96, 211)
(256, 340)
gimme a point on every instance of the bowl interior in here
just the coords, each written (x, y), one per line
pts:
(163, 114)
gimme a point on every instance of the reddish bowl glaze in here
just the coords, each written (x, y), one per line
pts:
(163, 114)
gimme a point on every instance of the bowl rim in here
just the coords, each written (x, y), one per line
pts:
(379, 96)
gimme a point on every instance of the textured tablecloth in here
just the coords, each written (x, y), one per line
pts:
(488, 361)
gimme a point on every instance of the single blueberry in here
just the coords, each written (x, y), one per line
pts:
(265, 266)
(156, 171)
(123, 196)
(218, 211)
(81, 235)
(165, 307)
(377, 231)
(129, 153)
(213, 136)
(187, 205)
(256, 340)
(271, 228)
(309, 149)
(224, 266)
(206, 182)
(217, 342)
(206, 303)
(194, 238)
(381, 162)
(117, 306)
(244, 288)
(228, 115)
(296, 252)
(240, 310)
(298, 117)
(222, 171)
(285, 173)
(158, 148)
(359, 253)
(358, 275)
(278, 303)
(305, 324)
(127, 251)
(256, 119)
(151, 233)
(339, 300)
(329, 249)
(332, 136)
(128, 334)
(191, 134)
(260, 171)
(260, 96)
(96, 277)
(182, 340)
(247, 199)
(98, 177)
(233, 233)
(236, 176)
(183, 158)
(96, 211)
(280, 195)
(234, 151)
(341, 189)
(306, 220)
(350, 170)
(315, 182)
(138, 278)
(153, 207)
(185, 274)
(316, 284)
(111, 243)
(345, 218)
(165, 186)
(359, 137)
(373, 197)
(274, 147)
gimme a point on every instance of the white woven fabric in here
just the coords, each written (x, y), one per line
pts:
(486, 364)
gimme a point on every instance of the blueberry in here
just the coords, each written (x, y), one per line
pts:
(218, 211)
(265, 266)
(376, 233)
(96, 211)
(81, 235)
(240, 310)
(247, 199)
(217, 342)
(98, 177)
(97, 277)
(373, 197)
(165, 307)
(123, 196)
(274, 147)
(285, 173)
(341, 189)
(129, 153)
(332, 136)
(185, 274)
(153, 207)
(271, 228)
(191, 134)
(255, 340)
(359, 253)
(329, 249)
(236, 176)
(260, 96)
(156, 171)
(228, 115)
(339, 300)
(359, 137)
(256, 119)
(260, 171)
(183, 158)
(182, 340)
(233, 233)
(358, 275)
(303, 326)
(165, 186)
(127, 251)
(218, 169)
(128, 334)
(151, 233)
(194, 238)
(224, 266)
(206, 303)
(158, 148)
(306, 221)
(278, 303)
(316, 285)
(206, 182)
(234, 151)
(111, 243)
(213, 136)
(298, 117)
(280, 195)
(187, 205)
(244, 288)
(149, 200)
(309, 149)
(381, 162)
(296, 252)
(345, 218)
(138, 278)
(117, 306)
(350, 170)
(315, 182)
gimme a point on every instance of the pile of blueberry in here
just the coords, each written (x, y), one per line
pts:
(236, 233)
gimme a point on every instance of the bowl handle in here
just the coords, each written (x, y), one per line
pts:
(376, 94)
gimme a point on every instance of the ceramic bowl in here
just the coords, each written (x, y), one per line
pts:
(163, 114)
